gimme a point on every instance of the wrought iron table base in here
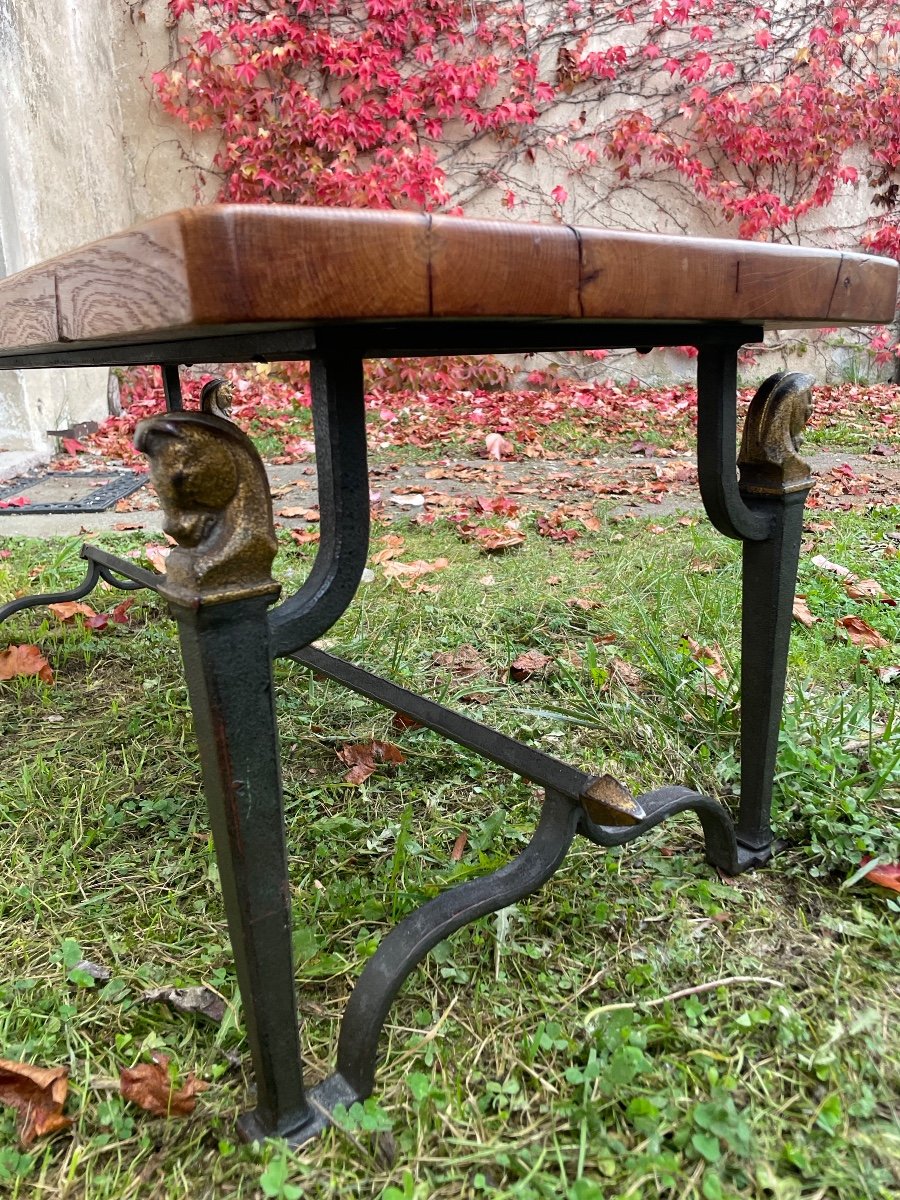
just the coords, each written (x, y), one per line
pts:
(218, 583)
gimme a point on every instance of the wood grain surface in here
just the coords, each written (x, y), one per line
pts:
(240, 265)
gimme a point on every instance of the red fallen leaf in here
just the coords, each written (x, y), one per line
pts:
(73, 446)
(5, 553)
(67, 610)
(860, 633)
(16, 502)
(24, 660)
(546, 528)
(498, 447)
(98, 621)
(149, 1087)
(458, 847)
(120, 613)
(528, 664)
(801, 612)
(499, 505)
(868, 589)
(38, 1095)
(886, 875)
(492, 541)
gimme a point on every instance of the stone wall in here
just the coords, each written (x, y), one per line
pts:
(83, 153)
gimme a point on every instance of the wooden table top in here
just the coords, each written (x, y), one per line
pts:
(223, 268)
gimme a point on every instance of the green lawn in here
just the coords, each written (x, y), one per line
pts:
(532, 1055)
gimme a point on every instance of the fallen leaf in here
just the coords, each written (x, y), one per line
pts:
(24, 660)
(623, 672)
(464, 662)
(73, 446)
(305, 537)
(528, 664)
(801, 612)
(97, 972)
(885, 875)
(406, 573)
(414, 501)
(402, 721)
(149, 1087)
(156, 554)
(698, 565)
(860, 633)
(37, 1094)
(833, 568)
(458, 847)
(888, 674)
(294, 511)
(67, 610)
(120, 613)
(868, 589)
(709, 657)
(498, 447)
(5, 553)
(363, 757)
(199, 1001)
(492, 541)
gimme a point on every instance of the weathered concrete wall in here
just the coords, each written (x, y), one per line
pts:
(82, 154)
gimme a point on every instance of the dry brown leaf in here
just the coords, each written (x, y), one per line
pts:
(623, 672)
(494, 541)
(860, 633)
(37, 1094)
(832, 568)
(709, 657)
(201, 1001)
(16, 661)
(528, 664)
(392, 548)
(149, 1087)
(406, 573)
(363, 757)
(700, 567)
(458, 847)
(888, 674)
(868, 589)
(296, 510)
(305, 537)
(67, 610)
(801, 612)
(464, 662)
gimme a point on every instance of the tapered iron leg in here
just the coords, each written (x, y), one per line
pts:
(227, 663)
(764, 509)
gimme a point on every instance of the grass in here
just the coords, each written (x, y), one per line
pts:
(510, 1066)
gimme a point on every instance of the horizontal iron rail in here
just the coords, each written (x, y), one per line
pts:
(380, 339)
(531, 764)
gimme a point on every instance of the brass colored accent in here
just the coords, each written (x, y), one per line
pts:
(213, 487)
(608, 802)
(216, 398)
(773, 433)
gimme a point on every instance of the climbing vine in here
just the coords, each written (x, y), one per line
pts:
(774, 122)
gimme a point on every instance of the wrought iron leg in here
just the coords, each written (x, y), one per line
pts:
(764, 511)
(227, 663)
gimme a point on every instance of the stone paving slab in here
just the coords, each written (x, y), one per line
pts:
(658, 485)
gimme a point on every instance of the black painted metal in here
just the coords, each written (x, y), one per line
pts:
(421, 931)
(717, 446)
(531, 764)
(100, 566)
(339, 419)
(100, 497)
(172, 387)
(718, 828)
(227, 660)
(380, 339)
(769, 582)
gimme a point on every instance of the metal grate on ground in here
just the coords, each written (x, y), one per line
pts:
(68, 491)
